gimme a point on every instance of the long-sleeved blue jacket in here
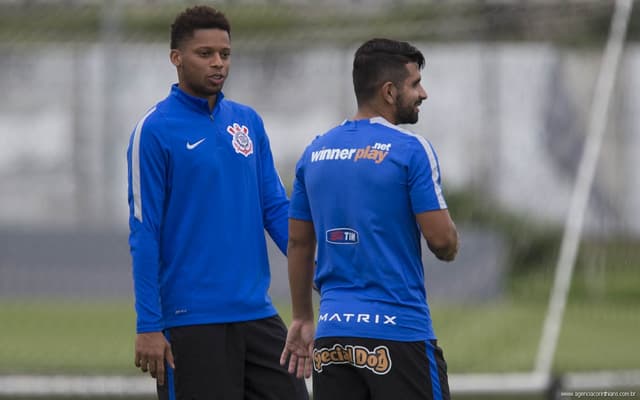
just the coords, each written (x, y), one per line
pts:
(202, 190)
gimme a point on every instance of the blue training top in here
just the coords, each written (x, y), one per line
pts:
(362, 184)
(202, 189)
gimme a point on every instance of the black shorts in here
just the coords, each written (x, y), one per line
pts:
(233, 361)
(375, 369)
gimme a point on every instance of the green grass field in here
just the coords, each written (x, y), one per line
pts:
(599, 332)
(83, 337)
(97, 337)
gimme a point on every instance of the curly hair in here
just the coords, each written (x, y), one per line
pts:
(197, 17)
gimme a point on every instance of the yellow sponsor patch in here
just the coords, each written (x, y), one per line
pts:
(377, 360)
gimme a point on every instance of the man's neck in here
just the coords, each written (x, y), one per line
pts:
(368, 112)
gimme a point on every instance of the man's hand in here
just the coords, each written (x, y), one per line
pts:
(152, 348)
(299, 348)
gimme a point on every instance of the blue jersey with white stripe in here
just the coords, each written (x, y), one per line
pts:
(202, 190)
(362, 184)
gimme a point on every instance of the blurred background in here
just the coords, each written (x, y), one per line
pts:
(511, 85)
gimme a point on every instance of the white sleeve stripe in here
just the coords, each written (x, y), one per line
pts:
(435, 174)
(135, 168)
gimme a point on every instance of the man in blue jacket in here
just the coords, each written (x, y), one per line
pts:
(203, 188)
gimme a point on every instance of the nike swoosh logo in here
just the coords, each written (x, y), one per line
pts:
(191, 146)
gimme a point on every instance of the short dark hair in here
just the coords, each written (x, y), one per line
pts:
(197, 17)
(382, 60)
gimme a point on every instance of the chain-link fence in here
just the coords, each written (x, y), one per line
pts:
(510, 87)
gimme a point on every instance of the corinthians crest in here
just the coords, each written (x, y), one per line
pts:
(241, 141)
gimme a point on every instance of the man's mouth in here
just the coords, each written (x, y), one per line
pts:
(216, 77)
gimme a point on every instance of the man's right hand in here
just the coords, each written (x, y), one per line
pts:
(152, 348)
(298, 349)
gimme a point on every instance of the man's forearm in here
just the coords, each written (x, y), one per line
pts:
(301, 280)
(301, 251)
(446, 250)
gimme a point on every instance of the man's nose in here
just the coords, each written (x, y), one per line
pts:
(216, 60)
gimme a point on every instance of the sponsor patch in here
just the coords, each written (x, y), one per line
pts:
(377, 360)
(241, 141)
(376, 153)
(358, 318)
(342, 236)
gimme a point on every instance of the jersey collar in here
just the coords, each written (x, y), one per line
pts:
(375, 120)
(197, 103)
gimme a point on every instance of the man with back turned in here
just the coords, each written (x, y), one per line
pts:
(363, 193)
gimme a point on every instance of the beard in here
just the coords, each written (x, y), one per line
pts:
(405, 112)
(198, 85)
(206, 90)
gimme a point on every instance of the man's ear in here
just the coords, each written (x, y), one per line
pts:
(176, 57)
(389, 92)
